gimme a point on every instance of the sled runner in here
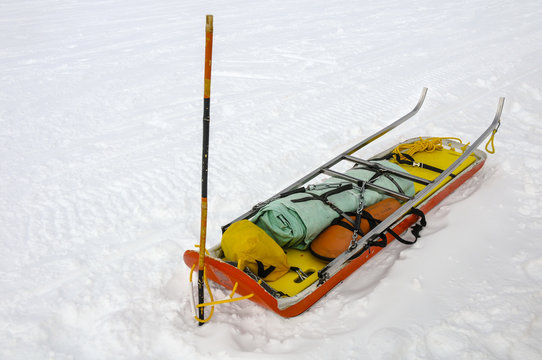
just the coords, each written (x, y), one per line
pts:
(324, 226)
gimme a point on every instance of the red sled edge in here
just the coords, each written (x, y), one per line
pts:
(227, 275)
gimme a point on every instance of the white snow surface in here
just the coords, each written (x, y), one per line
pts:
(100, 128)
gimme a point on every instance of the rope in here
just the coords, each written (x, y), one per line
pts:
(490, 143)
(210, 294)
(427, 145)
(206, 251)
(224, 301)
(214, 302)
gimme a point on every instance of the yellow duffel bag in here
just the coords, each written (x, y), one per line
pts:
(248, 245)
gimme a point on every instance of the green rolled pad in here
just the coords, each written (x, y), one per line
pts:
(296, 224)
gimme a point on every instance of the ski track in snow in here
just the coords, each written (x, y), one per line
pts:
(100, 126)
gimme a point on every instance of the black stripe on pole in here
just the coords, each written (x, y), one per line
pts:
(205, 153)
(205, 163)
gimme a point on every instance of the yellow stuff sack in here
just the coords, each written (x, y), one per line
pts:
(249, 245)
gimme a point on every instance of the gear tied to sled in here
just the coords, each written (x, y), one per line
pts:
(290, 250)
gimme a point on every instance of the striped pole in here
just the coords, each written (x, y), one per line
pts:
(205, 160)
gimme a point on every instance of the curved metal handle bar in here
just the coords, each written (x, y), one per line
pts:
(359, 145)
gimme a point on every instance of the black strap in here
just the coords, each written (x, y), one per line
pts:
(380, 243)
(382, 172)
(409, 160)
(401, 240)
(264, 203)
(418, 227)
(392, 179)
(415, 229)
(364, 215)
(263, 272)
(275, 293)
(293, 191)
(324, 198)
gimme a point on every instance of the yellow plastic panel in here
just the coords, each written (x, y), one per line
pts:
(440, 159)
(290, 283)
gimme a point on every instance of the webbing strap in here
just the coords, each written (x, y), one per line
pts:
(410, 161)
(262, 271)
(415, 229)
(381, 172)
(325, 200)
(364, 215)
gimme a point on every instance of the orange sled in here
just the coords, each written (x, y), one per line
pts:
(435, 173)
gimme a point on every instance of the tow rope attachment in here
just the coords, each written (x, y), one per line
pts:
(213, 302)
(404, 151)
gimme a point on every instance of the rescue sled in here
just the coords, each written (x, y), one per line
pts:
(313, 272)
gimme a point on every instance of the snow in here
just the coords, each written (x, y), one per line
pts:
(100, 114)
